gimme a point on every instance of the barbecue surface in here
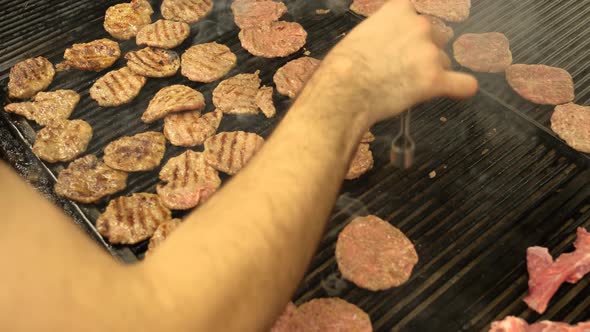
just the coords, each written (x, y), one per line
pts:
(504, 180)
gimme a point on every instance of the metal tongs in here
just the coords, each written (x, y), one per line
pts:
(403, 146)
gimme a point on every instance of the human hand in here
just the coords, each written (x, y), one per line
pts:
(390, 62)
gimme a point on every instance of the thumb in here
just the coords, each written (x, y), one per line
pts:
(458, 85)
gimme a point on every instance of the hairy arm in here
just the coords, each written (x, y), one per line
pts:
(234, 263)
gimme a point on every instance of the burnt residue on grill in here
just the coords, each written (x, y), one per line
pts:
(503, 180)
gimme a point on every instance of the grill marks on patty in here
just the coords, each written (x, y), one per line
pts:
(248, 13)
(124, 20)
(237, 95)
(190, 128)
(47, 107)
(30, 76)
(274, 40)
(162, 233)
(264, 101)
(228, 152)
(291, 77)
(87, 180)
(117, 87)
(141, 152)
(207, 62)
(188, 180)
(153, 62)
(94, 56)
(171, 99)
(62, 141)
(129, 220)
(188, 11)
(163, 34)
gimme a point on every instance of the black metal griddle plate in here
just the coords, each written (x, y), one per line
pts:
(503, 181)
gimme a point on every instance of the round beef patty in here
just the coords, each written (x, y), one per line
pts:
(331, 314)
(249, 13)
(572, 123)
(207, 62)
(173, 99)
(230, 151)
(62, 140)
(361, 163)
(366, 7)
(237, 94)
(274, 40)
(124, 20)
(30, 76)
(153, 62)
(541, 84)
(483, 52)
(190, 128)
(117, 87)
(448, 10)
(161, 233)
(374, 255)
(291, 77)
(189, 11)
(163, 34)
(141, 152)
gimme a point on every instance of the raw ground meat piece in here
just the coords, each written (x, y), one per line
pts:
(188, 180)
(283, 323)
(483, 52)
(124, 20)
(441, 32)
(237, 94)
(29, 77)
(96, 55)
(229, 151)
(361, 163)
(190, 128)
(331, 314)
(47, 107)
(141, 152)
(132, 219)
(249, 13)
(516, 324)
(189, 11)
(274, 40)
(368, 137)
(62, 140)
(207, 62)
(366, 7)
(117, 87)
(572, 123)
(448, 10)
(87, 180)
(546, 275)
(153, 62)
(291, 77)
(163, 34)
(161, 233)
(264, 101)
(374, 255)
(541, 84)
(172, 99)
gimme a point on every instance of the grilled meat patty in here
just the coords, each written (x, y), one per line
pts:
(190, 128)
(375, 255)
(361, 163)
(330, 314)
(274, 40)
(171, 99)
(163, 34)
(153, 62)
(366, 7)
(237, 94)
(96, 55)
(541, 84)
(229, 151)
(291, 77)
(572, 123)
(117, 87)
(62, 140)
(124, 20)
(29, 77)
(448, 10)
(249, 13)
(207, 62)
(483, 52)
(141, 152)
(87, 180)
(47, 107)
(187, 180)
(264, 101)
(131, 219)
(161, 233)
(189, 11)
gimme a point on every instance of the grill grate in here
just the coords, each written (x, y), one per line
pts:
(504, 181)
